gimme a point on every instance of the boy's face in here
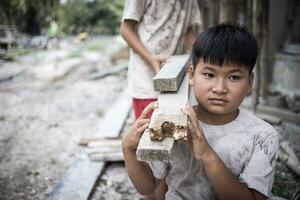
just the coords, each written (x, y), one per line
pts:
(220, 90)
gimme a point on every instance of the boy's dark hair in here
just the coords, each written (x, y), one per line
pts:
(227, 44)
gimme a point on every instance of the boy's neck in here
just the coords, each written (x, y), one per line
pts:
(214, 119)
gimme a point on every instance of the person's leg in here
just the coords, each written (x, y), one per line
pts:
(138, 107)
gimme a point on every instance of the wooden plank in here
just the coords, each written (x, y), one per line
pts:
(269, 118)
(283, 114)
(107, 157)
(105, 143)
(79, 179)
(77, 182)
(109, 71)
(169, 110)
(105, 150)
(170, 76)
(87, 140)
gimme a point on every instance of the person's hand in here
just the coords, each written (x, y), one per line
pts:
(196, 138)
(132, 137)
(157, 61)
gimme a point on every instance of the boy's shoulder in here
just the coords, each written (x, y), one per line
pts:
(255, 124)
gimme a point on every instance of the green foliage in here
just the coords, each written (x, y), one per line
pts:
(74, 16)
(27, 15)
(286, 183)
(93, 16)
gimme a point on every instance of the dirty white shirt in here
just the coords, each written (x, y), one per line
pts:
(161, 26)
(247, 146)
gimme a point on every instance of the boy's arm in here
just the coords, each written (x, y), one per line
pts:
(223, 182)
(128, 31)
(139, 172)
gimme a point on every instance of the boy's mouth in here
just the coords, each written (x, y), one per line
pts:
(217, 101)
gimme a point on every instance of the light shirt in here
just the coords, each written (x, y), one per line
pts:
(247, 146)
(161, 27)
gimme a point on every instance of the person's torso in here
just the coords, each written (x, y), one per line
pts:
(161, 31)
(234, 144)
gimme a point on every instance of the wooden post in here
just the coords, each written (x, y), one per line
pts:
(255, 94)
(264, 59)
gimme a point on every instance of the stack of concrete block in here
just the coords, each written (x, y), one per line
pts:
(168, 123)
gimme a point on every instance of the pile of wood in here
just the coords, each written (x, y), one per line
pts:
(103, 149)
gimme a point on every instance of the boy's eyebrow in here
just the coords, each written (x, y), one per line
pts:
(230, 71)
(235, 70)
(209, 68)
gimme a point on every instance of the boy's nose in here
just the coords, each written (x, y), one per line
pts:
(219, 87)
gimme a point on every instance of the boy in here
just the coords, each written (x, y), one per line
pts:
(231, 154)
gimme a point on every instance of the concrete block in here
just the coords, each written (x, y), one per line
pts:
(168, 123)
(149, 150)
(168, 79)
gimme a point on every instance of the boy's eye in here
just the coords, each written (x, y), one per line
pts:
(234, 77)
(208, 75)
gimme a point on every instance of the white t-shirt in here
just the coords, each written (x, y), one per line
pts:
(247, 146)
(161, 26)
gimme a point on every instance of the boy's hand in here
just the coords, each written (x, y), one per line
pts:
(157, 61)
(131, 139)
(196, 139)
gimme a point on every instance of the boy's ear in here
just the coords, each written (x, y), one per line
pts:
(191, 75)
(251, 80)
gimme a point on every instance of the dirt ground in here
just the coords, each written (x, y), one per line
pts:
(47, 109)
(51, 102)
(115, 184)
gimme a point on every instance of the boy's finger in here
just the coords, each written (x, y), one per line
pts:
(141, 130)
(149, 108)
(193, 121)
(141, 122)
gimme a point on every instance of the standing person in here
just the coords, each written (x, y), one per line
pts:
(53, 33)
(231, 154)
(155, 30)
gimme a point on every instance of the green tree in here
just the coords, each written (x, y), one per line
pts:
(94, 16)
(28, 16)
